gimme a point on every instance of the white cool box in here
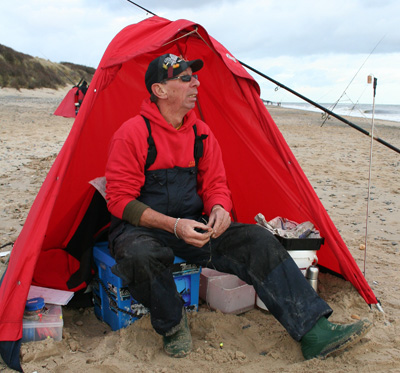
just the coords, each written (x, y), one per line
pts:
(303, 259)
(229, 294)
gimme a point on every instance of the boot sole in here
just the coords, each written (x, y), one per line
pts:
(340, 346)
(178, 355)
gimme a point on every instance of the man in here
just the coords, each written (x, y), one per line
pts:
(168, 196)
(80, 95)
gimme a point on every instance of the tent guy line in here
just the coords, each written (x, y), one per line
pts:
(344, 120)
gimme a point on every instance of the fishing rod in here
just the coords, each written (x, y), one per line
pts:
(331, 113)
(146, 10)
(375, 81)
(303, 97)
(59, 69)
(351, 81)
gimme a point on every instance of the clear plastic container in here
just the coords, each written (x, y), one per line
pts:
(49, 325)
(226, 292)
(206, 276)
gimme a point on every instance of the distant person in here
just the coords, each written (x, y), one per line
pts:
(80, 95)
(168, 196)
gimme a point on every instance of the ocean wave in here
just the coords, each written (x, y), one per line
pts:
(384, 112)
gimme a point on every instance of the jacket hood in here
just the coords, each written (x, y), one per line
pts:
(151, 111)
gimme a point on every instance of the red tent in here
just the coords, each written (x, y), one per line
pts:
(67, 106)
(263, 174)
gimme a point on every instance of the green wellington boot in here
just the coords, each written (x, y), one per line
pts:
(179, 344)
(325, 338)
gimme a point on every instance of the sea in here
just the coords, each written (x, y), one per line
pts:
(385, 112)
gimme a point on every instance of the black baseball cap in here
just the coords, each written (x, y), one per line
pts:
(168, 66)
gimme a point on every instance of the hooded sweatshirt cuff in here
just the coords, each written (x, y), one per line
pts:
(133, 211)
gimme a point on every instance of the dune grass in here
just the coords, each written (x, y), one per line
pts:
(19, 70)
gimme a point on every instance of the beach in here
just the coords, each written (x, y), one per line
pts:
(336, 160)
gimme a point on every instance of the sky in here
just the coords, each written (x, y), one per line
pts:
(322, 49)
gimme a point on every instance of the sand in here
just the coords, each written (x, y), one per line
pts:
(334, 157)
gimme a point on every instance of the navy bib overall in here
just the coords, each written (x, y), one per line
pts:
(144, 256)
(172, 191)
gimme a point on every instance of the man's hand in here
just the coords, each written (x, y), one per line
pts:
(193, 232)
(219, 221)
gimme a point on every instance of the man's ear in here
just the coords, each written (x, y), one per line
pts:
(159, 90)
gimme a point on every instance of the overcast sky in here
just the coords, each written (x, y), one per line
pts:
(322, 49)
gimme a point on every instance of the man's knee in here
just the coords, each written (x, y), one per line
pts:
(141, 260)
(143, 251)
(264, 251)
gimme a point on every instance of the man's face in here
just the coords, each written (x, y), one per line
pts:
(180, 94)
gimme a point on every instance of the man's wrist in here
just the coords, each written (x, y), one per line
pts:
(175, 227)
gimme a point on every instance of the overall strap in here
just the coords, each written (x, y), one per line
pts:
(152, 151)
(198, 145)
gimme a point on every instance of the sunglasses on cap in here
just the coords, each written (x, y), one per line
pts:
(184, 78)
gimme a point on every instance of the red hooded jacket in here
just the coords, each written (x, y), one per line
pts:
(128, 152)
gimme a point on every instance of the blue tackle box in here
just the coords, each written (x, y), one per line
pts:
(113, 303)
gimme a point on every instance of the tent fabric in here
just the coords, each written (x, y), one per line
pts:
(67, 105)
(262, 172)
(9, 352)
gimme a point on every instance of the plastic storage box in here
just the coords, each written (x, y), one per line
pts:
(226, 292)
(113, 303)
(49, 325)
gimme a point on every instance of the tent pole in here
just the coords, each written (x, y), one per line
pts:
(323, 108)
